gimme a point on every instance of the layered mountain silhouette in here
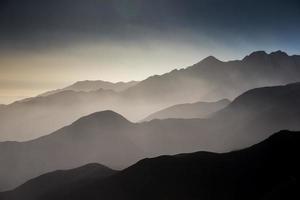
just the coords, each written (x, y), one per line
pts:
(88, 86)
(268, 170)
(97, 137)
(108, 138)
(189, 110)
(208, 80)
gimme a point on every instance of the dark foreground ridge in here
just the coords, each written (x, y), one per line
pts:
(268, 170)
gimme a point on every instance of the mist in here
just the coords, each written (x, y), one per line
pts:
(208, 80)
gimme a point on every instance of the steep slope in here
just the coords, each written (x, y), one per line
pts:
(88, 86)
(189, 110)
(208, 80)
(264, 171)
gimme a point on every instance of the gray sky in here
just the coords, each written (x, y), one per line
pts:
(47, 44)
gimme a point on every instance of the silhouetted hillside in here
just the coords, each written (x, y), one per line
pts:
(189, 110)
(208, 80)
(267, 171)
(62, 180)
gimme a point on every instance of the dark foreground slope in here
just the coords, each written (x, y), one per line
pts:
(266, 171)
(62, 181)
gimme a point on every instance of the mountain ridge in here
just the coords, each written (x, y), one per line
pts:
(93, 85)
(198, 109)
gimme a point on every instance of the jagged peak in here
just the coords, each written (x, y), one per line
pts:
(255, 55)
(278, 53)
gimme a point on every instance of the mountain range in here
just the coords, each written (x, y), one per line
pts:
(108, 138)
(189, 110)
(88, 86)
(267, 171)
(208, 80)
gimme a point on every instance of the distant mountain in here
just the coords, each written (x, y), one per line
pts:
(208, 80)
(88, 86)
(98, 137)
(38, 116)
(108, 138)
(266, 109)
(190, 110)
(267, 171)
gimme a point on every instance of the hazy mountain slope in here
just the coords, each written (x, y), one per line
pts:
(34, 117)
(63, 180)
(108, 138)
(208, 80)
(264, 171)
(2, 106)
(263, 110)
(97, 137)
(189, 110)
(87, 86)
(104, 137)
(212, 79)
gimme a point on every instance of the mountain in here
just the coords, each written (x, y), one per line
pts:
(108, 138)
(266, 109)
(189, 110)
(34, 117)
(208, 80)
(66, 180)
(98, 137)
(268, 170)
(212, 79)
(88, 86)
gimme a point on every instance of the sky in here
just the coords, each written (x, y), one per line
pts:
(48, 44)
